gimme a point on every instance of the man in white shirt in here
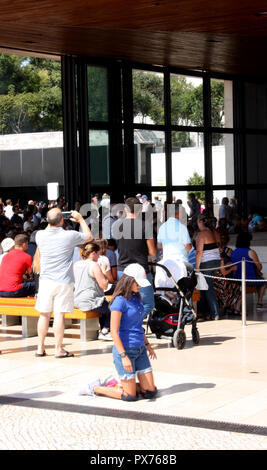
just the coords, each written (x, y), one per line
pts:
(9, 209)
(173, 237)
(56, 284)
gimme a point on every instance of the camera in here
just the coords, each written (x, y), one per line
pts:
(66, 215)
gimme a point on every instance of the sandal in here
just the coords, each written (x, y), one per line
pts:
(261, 307)
(236, 312)
(40, 355)
(66, 354)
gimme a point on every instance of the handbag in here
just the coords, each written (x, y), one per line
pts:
(201, 282)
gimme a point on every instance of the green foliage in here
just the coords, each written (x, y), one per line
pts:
(148, 96)
(97, 93)
(197, 180)
(30, 95)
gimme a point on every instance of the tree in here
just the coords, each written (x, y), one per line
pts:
(148, 96)
(30, 95)
(197, 180)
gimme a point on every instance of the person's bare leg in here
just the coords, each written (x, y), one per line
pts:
(261, 291)
(42, 329)
(146, 382)
(59, 327)
(126, 387)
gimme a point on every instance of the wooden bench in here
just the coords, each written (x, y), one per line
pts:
(14, 308)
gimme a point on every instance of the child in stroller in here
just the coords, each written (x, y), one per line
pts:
(174, 284)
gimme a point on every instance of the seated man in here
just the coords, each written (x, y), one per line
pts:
(16, 265)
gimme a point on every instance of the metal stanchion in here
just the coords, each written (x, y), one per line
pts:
(243, 289)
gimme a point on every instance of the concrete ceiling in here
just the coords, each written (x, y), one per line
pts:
(227, 36)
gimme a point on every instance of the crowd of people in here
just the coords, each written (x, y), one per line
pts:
(78, 261)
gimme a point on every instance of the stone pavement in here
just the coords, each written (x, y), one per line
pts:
(212, 396)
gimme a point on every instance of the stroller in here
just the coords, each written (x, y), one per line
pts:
(169, 318)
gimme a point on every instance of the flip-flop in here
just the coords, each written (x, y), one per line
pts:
(40, 355)
(67, 354)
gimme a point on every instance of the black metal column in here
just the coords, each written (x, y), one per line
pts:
(129, 166)
(168, 136)
(117, 164)
(70, 130)
(207, 139)
(83, 140)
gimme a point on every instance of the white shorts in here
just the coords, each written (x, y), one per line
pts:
(55, 297)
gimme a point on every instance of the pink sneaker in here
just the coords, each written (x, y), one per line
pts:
(110, 382)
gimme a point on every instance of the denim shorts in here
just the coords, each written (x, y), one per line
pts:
(139, 359)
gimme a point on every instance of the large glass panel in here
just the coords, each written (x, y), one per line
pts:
(256, 158)
(150, 160)
(218, 197)
(221, 103)
(148, 97)
(158, 200)
(31, 137)
(99, 157)
(186, 100)
(187, 158)
(97, 93)
(222, 159)
(257, 204)
(256, 105)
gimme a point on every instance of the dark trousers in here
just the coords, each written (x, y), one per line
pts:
(104, 320)
(27, 288)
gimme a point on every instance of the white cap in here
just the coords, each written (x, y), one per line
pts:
(7, 244)
(137, 271)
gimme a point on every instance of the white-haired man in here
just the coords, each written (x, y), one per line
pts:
(56, 283)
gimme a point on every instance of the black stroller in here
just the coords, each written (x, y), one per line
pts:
(168, 318)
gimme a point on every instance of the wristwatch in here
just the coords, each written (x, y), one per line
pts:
(123, 354)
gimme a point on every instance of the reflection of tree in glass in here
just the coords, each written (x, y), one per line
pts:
(148, 96)
(186, 102)
(197, 180)
(97, 93)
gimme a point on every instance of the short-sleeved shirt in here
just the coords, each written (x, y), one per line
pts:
(56, 247)
(131, 236)
(13, 266)
(173, 236)
(131, 331)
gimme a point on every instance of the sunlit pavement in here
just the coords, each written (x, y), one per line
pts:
(211, 396)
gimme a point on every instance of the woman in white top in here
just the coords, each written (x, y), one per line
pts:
(90, 284)
(104, 264)
(208, 256)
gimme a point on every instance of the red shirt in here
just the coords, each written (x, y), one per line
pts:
(12, 268)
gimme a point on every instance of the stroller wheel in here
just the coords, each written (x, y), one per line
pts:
(195, 336)
(179, 339)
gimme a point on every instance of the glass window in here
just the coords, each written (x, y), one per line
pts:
(256, 158)
(187, 158)
(97, 93)
(150, 159)
(186, 100)
(217, 199)
(99, 157)
(222, 159)
(221, 103)
(256, 105)
(148, 97)
(257, 202)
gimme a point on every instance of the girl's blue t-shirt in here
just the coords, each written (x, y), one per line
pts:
(131, 331)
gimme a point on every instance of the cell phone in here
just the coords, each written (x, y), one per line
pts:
(66, 215)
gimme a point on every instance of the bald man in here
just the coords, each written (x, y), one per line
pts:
(56, 283)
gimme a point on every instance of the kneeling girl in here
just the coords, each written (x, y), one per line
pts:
(131, 350)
